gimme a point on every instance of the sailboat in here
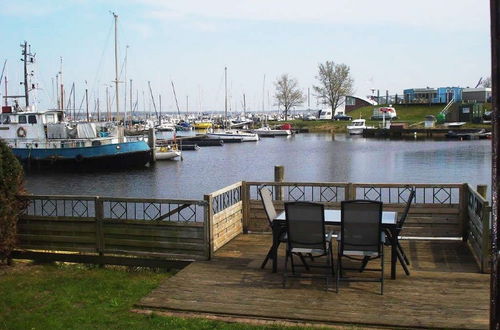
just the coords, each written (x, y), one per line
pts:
(231, 135)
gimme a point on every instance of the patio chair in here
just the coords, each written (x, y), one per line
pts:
(266, 197)
(306, 235)
(361, 238)
(403, 259)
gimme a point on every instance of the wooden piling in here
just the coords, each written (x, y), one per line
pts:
(279, 176)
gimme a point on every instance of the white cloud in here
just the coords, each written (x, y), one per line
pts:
(441, 14)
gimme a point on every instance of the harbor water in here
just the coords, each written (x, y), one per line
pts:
(312, 157)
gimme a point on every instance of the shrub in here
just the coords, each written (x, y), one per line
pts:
(11, 186)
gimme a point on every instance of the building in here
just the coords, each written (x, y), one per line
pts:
(440, 95)
(481, 95)
(356, 102)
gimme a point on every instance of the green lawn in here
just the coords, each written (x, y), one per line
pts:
(411, 114)
(62, 296)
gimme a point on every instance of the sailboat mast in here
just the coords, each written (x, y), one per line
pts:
(225, 96)
(116, 65)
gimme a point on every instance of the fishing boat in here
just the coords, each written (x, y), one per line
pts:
(357, 126)
(45, 137)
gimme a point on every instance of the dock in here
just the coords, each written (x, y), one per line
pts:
(445, 290)
(399, 132)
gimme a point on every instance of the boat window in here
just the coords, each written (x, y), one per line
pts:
(5, 119)
(31, 119)
(49, 118)
(22, 119)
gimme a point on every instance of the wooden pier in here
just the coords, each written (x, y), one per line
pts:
(399, 132)
(445, 290)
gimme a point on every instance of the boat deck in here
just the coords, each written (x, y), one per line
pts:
(444, 290)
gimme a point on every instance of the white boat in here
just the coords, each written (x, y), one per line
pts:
(233, 136)
(167, 152)
(357, 126)
(267, 131)
(455, 124)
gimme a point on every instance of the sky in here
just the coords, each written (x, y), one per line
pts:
(388, 45)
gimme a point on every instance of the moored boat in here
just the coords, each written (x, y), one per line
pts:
(356, 127)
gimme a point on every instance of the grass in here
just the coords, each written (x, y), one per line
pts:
(62, 296)
(411, 114)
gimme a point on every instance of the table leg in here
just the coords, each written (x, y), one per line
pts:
(394, 256)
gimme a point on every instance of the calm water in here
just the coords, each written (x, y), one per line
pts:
(306, 157)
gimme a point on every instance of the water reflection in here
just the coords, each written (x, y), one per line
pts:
(306, 157)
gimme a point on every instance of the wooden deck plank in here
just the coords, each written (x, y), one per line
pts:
(445, 289)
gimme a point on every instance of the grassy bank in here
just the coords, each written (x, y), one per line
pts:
(60, 296)
(410, 114)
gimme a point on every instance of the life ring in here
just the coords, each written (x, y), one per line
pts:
(21, 132)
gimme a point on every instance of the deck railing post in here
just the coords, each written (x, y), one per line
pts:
(208, 226)
(99, 216)
(245, 198)
(350, 193)
(486, 239)
(463, 211)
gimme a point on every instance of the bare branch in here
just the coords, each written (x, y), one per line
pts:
(288, 93)
(335, 82)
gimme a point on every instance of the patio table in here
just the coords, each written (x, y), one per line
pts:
(333, 218)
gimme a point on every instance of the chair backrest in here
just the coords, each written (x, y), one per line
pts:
(361, 226)
(267, 201)
(305, 225)
(403, 217)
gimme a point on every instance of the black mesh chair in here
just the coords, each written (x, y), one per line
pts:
(403, 259)
(306, 235)
(266, 197)
(361, 238)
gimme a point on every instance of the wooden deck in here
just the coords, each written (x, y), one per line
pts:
(445, 290)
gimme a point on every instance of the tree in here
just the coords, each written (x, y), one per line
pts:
(335, 82)
(11, 181)
(288, 93)
(486, 83)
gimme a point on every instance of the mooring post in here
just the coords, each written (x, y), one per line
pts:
(279, 176)
(152, 144)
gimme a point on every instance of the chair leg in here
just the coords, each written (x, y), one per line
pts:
(338, 274)
(402, 262)
(364, 263)
(304, 261)
(403, 254)
(382, 277)
(285, 272)
(268, 256)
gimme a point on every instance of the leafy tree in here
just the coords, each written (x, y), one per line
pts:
(335, 82)
(11, 185)
(288, 93)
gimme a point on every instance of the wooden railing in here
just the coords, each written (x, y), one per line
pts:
(153, 232)
(114, 230)
(226, 215)
(478, 228)
(436, 212)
